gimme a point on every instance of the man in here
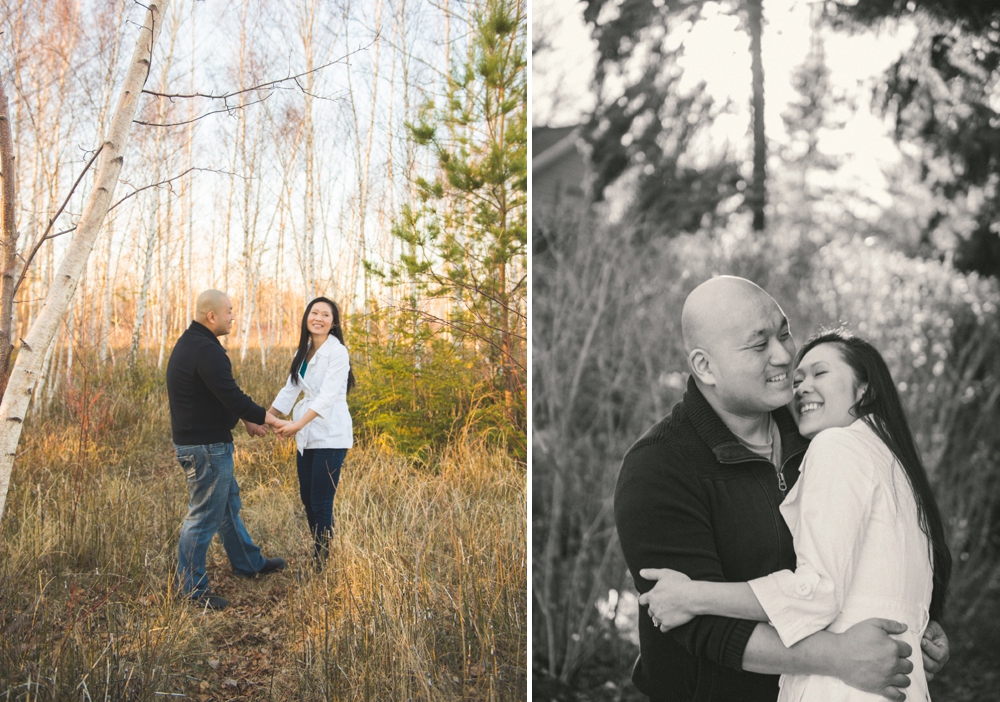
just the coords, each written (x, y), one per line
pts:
(205, 404)
(699, 493)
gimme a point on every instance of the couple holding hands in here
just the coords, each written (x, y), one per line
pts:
(205, 405)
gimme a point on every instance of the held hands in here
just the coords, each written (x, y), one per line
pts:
(287, 430)
(254, 429)
(278, 426)
(669, 601)
(282, 428)
(872, 661)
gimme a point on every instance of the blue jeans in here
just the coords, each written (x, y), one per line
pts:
(319, 474)
(213, 506)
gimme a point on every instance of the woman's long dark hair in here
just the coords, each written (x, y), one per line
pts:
(305, 336)
(881, 408)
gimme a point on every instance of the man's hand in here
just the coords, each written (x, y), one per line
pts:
(669, 606)
(872, 661)
(934, 649)
(288, 430)
(273, 422)
(255, 429)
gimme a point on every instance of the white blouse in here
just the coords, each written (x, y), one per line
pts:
(324, 391)
(860, 553)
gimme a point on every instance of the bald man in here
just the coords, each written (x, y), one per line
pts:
(699, 493)
(205, 405)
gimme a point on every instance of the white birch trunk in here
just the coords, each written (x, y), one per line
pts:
(109, 165)
(39, 397)
(109, 284)
(147, 277)
(164, 284)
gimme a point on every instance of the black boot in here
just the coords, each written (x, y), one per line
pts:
(321, 550)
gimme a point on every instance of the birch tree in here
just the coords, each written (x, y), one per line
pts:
(111, 157)
(8, 237)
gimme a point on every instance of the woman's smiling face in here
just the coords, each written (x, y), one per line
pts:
(320, 319)
(825, 391)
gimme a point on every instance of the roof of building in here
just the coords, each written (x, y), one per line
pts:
(544, 138)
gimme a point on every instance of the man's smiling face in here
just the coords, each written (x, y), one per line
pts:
(752, 365)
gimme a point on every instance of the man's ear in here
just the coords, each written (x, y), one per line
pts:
(211, 317)
(701, 366)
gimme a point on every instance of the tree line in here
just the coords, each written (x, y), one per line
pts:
(273, 151)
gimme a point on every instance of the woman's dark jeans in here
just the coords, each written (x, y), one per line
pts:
(319, 473)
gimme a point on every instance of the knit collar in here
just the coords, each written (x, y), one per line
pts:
(202, 329)
(720, 438)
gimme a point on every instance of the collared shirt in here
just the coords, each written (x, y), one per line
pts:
(324, 391)
(860, 553)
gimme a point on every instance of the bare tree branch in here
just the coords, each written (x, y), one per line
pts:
(260, 86)
(46, 236)
(318, 97)
(228, 109)
(169, 180)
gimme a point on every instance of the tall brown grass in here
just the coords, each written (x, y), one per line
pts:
(425, 598)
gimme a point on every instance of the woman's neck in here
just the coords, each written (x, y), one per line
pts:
(318, 340)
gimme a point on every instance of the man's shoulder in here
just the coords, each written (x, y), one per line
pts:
(661, 470)
(193, 347)
(672, 433)
(196, 339)
(672, 444)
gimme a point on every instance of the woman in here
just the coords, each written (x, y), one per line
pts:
(869, 541)
(321, 422)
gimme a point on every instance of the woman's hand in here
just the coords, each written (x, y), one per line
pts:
(670, 600)
(293, 428)
(287, 431)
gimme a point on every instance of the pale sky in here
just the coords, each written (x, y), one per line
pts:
(717, 51)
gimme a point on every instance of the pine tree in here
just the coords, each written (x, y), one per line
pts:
(643, 123)
(466, 238)
(941, 94)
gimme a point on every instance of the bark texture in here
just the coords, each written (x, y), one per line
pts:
(8, 239)
(32, 353)
(758, 189)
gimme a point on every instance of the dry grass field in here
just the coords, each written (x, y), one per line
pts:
(425, 598)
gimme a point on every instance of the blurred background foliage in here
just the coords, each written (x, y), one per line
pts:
(915, 274)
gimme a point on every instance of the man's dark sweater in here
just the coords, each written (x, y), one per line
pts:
(205, 401)
(691, 497)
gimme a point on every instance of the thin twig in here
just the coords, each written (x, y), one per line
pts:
(259, 86)
(46, 236)
(228, 108)
(168, 180)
